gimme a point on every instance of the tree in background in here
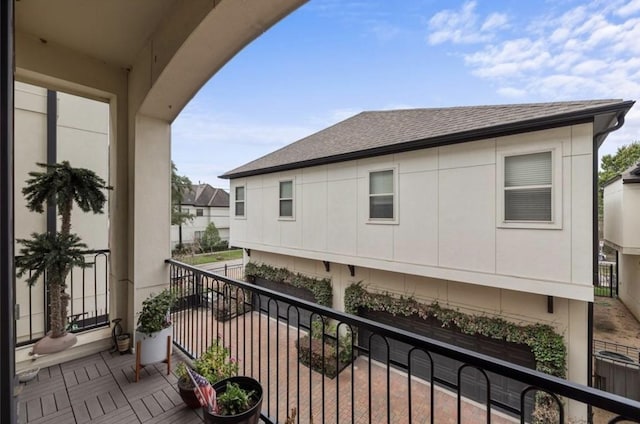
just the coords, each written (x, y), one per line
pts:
(210, 239)
(180, 186)
(613, 165)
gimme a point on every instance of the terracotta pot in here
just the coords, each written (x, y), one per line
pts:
(250, 416)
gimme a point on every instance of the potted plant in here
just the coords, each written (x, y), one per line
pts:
(238, 400)
(324, 350)
(154, 326)
(54, 254)
(215, 364)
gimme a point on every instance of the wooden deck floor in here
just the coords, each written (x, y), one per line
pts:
(101, 389)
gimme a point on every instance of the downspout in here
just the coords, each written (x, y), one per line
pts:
(595, 249)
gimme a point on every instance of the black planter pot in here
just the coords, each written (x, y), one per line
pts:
(250, 416)
(188, 394)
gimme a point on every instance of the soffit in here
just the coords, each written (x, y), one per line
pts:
(113, 31)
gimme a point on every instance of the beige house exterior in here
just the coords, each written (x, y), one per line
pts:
(205, 204)
(446, 235)
(622, 232)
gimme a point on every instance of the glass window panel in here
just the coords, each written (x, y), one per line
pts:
(381, 207)
(286, 189)
(531, 204)
(524, 170)
(239, 193)
(239, 208)
(381, 182)
(286, 207)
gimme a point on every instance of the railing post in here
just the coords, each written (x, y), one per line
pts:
(610, 280)
(225, 270)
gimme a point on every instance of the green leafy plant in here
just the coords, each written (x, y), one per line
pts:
(154, 315)
(547, 346)
(324, 349)
(234, 400)
(320, 287)
(215, 364)
(55, 254)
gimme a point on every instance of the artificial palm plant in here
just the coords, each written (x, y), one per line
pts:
(54, 254)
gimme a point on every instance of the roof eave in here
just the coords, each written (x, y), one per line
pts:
(560, 120)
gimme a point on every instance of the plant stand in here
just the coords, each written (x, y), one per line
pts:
(139, 366)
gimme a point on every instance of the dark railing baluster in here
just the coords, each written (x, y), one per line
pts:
(83, 319)
(372, 341)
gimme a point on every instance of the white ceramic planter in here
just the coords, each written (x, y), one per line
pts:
(153, 348)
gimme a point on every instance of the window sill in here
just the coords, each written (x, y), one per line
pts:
(382, 221)
(531, 225)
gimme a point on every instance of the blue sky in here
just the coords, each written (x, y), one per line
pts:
(331, 59)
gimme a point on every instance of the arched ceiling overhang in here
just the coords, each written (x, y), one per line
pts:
(167, 49)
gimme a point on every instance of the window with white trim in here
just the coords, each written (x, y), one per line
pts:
(199, 212)
(239, 201)
(286, 199)
(528, 187)
(382, 195)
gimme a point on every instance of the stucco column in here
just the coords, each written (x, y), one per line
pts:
(149, 210)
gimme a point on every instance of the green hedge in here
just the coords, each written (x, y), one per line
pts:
(547, 346)
(320, 287)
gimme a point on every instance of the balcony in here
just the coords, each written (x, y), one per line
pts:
(262, 327)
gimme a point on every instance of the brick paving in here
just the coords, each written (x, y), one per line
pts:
(101, 388)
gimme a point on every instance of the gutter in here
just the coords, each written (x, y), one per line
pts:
(595, 244)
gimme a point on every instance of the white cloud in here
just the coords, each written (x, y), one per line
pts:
(628, 9)
(461, 26)
(494, 21)
(584, 52)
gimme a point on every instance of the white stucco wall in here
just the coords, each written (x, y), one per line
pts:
(622, 231)
(447, 225)
(613, 223)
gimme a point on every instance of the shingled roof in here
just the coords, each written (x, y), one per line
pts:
(383, 132)
(206, 195)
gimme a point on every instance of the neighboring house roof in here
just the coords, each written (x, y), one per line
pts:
(206, 195)
(376, 133)
(631, 175)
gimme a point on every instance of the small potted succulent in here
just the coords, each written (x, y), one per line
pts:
(215, 364)
(238, 400)
(154, 326)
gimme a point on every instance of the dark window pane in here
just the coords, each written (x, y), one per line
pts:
(381, 207)
(286, 208)
(239, 208)
(532, 204)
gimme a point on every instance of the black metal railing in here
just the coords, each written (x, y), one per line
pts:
(262, 329)
(607, 282)
(88, 289)
(235, 272)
